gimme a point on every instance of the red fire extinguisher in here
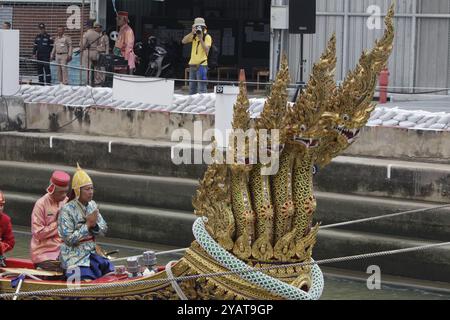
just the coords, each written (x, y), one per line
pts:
(384, 82)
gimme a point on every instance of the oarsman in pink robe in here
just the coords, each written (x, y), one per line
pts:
(125, 43)
(45, 241)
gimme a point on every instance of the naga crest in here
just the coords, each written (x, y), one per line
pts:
(352, 100)
(265, 220)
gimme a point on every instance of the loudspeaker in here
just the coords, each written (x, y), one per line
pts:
(302, 16)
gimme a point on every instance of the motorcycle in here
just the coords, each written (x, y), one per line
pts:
(154, 59)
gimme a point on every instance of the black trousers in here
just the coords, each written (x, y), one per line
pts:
(43, 70)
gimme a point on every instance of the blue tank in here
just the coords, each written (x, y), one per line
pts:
(74, 74)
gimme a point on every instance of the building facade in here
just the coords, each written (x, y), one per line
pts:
(27, 15)
(421, 56)
(242, 31)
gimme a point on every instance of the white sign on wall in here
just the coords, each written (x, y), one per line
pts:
(143, 90)
(9, 62)
(279, 17)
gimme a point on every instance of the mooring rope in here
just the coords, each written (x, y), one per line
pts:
(173, 282)
(328, 226)
(340, 224)
(67, 291)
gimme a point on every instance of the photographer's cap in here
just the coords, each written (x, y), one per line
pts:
(199, 22)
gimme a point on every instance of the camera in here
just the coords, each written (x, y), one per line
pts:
(198, 30)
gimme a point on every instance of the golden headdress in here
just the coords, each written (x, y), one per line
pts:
(80, 179)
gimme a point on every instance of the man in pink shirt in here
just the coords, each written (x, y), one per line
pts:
(125, 42)
(45, 241)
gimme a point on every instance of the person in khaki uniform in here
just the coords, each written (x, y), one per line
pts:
(88, 46)
(102, 48)
(62, 54)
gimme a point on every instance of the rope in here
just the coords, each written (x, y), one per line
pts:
(173, 282)
(415, 88)
(328, 226)
(136, 78)
(262, 280)
(226, 273)
(156, 253)
(340, 224)
(114, 6)
(413, 93)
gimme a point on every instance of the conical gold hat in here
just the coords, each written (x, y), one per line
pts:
(80, 179)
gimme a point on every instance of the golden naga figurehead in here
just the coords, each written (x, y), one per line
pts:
(264, 220)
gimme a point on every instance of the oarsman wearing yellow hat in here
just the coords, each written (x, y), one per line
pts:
(79, 223)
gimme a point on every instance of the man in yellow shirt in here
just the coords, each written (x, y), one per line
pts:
(198, 64)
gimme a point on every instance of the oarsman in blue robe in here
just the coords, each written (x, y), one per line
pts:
(79, 223)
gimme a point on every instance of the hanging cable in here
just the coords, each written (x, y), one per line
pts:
(89, 288)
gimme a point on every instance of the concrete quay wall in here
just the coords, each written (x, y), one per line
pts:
(375, 141)
(175, 194)
(388, 178)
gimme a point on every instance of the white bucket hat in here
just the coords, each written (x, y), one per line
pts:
(199, 22)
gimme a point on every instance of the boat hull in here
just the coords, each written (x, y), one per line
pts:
(122, 288)
(196, 262)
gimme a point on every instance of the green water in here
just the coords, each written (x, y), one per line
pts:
(336, 287)
(343, 289)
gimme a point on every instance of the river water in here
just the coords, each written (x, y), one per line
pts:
(337, 287)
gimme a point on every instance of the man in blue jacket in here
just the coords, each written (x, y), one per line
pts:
(43, 47)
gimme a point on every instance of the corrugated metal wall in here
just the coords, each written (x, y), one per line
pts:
(421, 53)
(432, 60)
(26, 17)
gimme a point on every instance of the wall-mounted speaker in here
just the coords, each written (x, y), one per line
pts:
(302, 16)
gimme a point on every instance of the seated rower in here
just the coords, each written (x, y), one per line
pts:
(79, 223)
(7, 240)
(45, 240)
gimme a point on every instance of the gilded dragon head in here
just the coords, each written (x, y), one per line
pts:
(265, 220)
(352, 100)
